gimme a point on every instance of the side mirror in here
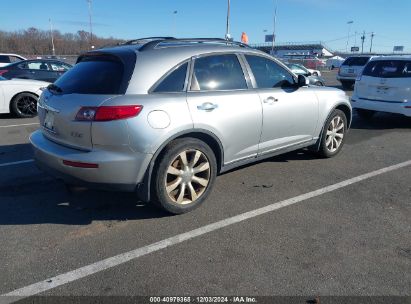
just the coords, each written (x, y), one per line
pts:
(302, 81)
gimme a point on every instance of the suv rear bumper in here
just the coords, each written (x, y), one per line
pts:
(381, 106)
(116, 170)
(346, 78)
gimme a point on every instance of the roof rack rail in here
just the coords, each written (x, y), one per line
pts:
(144, 40)
(156, 41)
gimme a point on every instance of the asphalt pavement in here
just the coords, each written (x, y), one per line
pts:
(354, 240)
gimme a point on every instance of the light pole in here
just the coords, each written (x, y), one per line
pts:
(227, 29)
(348, 36)
(90, 23)
(274, 24)
(52, 38)
(174, 23)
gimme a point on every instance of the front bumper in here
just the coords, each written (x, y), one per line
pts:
(382, 106)
(117, 170)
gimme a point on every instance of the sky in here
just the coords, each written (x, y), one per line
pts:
(297, 20)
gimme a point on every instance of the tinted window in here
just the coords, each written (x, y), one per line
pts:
(358, 61)
(4, 59)
(174, 82)
(93, 75)
(268, 74)
(219, 72)
(388, 69)
(60, 67)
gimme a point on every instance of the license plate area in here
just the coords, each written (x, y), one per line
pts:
(49, 121)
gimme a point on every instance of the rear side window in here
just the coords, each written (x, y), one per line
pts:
(218, 72)
(4, 59)
(93, 75)
(173, 82)
(357, 61)
(388, 69)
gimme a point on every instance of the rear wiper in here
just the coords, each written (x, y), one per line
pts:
(53, 87)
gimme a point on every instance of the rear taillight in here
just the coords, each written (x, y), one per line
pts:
(106, 113)
(3, 71)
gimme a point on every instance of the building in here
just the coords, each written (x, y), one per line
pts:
(296, 50)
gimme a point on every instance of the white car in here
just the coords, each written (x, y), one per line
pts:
(20, 96)
(384, 86)
(314, 72)
(6, 59)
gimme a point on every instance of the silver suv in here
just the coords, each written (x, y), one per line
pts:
(162, 117)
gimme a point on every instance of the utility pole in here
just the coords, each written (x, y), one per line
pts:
(52, 38)
(90, 23)
(274, 24)
(362, 43)
(372, 36)
(227, 30)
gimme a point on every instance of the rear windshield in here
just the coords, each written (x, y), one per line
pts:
(93, 75)
(388, 69)
(357, 61)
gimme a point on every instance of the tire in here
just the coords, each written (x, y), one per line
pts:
(24, 105)
(319, 83)
(177, 188)
(347, 85)
(333, 136)
(365, 114)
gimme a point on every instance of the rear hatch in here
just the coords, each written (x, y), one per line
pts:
(96, 78)
(353, 66)
(386, 80)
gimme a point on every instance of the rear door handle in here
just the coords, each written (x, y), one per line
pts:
(270, 100)
(207, 106)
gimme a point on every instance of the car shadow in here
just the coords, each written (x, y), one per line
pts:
(29, 196)
(381, 121)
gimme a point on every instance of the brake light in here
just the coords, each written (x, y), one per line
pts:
(3, 71)
(107, 113)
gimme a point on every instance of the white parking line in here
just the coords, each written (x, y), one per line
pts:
(17, 162)
(21, 125)
(111, 262)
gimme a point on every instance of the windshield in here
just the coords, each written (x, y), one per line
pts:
(358, 61)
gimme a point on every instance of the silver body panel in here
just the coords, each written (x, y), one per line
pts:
(241, 121)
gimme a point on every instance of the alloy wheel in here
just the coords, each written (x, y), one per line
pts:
(27, 105)
(335, 134)
(187, 176)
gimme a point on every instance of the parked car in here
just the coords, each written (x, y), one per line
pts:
(350, 69)
(299, 69)
(334, 62)
(165, 116)
(384, 86)
(314, 63)
(19, 96)
(37, 69)
(6, 59)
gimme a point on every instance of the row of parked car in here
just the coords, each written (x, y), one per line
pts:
(381, 83)
(22, 80)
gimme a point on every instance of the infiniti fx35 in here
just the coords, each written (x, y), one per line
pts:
(163, 116)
